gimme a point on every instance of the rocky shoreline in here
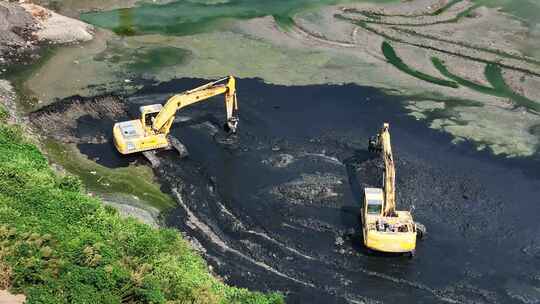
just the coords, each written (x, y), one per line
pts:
(26, 27)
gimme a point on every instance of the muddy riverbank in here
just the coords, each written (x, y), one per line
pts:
(277, 207)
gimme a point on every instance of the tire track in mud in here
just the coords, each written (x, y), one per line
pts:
(306, 243)
(207, 231)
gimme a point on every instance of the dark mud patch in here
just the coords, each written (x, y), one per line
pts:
(306, 243)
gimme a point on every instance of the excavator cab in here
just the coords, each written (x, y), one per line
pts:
(373, 201)
(148, 113)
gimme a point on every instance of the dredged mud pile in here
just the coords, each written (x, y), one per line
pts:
(276, 208)
(65, 119)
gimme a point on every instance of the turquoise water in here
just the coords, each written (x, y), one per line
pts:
(190, 17)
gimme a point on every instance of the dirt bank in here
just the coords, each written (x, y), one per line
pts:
(16, 28)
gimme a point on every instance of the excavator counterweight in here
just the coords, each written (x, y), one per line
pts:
(151, 131)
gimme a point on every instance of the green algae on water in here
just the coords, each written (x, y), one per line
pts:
(193, 17)
(155, 59)
(136, 181)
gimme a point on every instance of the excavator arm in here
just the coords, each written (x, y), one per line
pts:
(382, 144)
(164, 119)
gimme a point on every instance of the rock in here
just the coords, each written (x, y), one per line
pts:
(279, 161)
(8, 298)
(23, 25)
(56, 28)
(16, 27)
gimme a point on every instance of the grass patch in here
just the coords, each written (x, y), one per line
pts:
(60, 246)
(394, 59)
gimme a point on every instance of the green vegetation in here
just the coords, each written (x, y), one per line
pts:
(192, 17)
(133, 180)
(446, 7)
(154, 59)
(393, 58)
(439, 65)
(60, 246)
(17, 74)
(144, 59)
(494, 75)
(364, 25)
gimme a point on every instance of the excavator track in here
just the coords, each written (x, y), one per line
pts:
(178, 146)
(174, 143)
(151, 156)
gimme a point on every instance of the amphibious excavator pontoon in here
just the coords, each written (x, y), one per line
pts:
(151, 131)
(384, 228)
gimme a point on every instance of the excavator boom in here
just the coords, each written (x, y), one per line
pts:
(151, 131)
(389, 172)
(165, 117)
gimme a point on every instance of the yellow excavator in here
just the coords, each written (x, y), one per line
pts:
(384, 228)
(151, 131)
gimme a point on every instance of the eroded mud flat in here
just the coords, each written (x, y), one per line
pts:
(276, 208)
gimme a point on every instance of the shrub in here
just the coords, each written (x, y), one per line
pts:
(4, 114)
(70, 183)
